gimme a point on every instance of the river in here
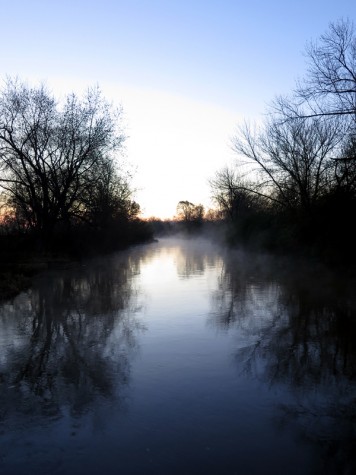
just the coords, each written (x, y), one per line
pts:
(179, 357)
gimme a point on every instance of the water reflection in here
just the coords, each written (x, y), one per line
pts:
(195, 257)
(296, 330)
(67, 342)
(76, 395)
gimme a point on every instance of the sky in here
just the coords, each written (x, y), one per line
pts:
(186, 73)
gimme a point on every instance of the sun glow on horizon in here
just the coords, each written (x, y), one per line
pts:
(175, 143)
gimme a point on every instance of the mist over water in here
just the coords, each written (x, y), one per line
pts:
(179, 357)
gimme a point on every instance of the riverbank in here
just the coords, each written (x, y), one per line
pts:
(17, 271)
(15, 277)
(24, 255)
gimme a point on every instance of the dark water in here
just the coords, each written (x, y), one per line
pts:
(179, 358)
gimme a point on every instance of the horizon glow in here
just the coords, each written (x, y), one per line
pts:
(186, 74)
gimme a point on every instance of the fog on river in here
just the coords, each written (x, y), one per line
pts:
(179, 357)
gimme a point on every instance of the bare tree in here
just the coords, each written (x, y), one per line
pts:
(329, 87)
(50, 154)
(291, 158)
(189, 212)
(232, 193)
(345, 167)
(106, 198)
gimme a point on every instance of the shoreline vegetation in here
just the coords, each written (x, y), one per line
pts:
(17, 268)
(65, 188)
(24, 255)
(292, 189)
(66, 191)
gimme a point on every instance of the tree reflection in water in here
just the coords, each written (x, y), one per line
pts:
(193, 261)
(67, 341)
(296, 329)
(192, 256)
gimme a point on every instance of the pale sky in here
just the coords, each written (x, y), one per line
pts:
(186, 73)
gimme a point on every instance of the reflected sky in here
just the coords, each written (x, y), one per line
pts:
(179, 357)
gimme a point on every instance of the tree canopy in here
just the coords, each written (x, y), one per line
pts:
(302, 158)
(329, 87)
(59, 160)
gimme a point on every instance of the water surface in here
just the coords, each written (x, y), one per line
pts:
(179, 357)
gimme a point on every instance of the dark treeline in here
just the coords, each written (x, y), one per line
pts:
(63, 189)
(294, 185)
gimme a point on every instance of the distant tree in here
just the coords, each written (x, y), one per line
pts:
(213, 215)
(51, 155)
(185, 210)
(190, 213)
(198, 213)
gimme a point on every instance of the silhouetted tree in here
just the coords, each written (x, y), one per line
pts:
(329, 88)
(107, 198)
(188, 212)
(293, 159)
(51, 154)
(190, 215)
(345, 167)
(231, 193)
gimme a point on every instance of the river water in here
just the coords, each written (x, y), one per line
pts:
(179, 357)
